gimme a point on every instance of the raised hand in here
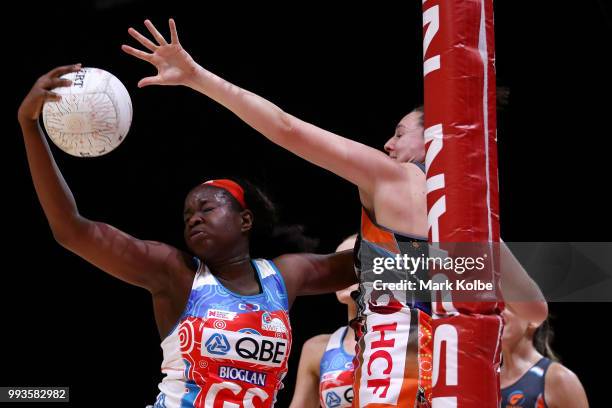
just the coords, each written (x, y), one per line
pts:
(174, 65)
(32, 104)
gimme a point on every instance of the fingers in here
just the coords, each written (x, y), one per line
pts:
(66, 69)
(158, 37)
(48, 82)
(148, 44)
(137, 53)
(58, 83)
(154, 80)
(52, 96)
(173, 34)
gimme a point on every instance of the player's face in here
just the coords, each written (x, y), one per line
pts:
(407, 143)
(344, 295)
(213, 224)
(515, 328)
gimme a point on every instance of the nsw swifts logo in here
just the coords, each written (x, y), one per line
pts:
(274, 324)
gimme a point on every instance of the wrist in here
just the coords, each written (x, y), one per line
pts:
(198, 78)
(26, 121)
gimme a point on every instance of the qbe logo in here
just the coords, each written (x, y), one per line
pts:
(332, 400)
(247, 347)
(217, 344)
(337, 397)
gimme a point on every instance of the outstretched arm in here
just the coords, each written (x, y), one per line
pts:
(519, 290)
(357, 163)
(310, 274)
(141, 263)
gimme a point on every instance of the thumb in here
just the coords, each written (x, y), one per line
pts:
(152, 80)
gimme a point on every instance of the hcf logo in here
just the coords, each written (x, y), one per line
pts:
(217, 344)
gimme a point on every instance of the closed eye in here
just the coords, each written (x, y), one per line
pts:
(188, 214)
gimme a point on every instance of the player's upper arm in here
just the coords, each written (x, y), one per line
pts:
(310, 274)
(563, 388)
(147, 264)
(362, 165)
(519, 290)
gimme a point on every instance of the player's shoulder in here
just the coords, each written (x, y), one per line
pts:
(403, 173)
(314, 349)
(317, 342)
(558, 375)
(566, 386)
(408, 177)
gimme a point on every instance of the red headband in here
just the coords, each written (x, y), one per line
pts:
(231, 187)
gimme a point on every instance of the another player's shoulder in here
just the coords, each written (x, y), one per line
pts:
(313, 350)
(563, 388)
(314, 347)
(408, 177)
(317, 343)
(559, 375)
(404, 172)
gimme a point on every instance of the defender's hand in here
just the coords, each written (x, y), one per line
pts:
(174, 65)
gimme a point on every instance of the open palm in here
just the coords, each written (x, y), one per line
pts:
(174, 64)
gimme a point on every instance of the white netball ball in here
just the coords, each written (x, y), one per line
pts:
(94, 115)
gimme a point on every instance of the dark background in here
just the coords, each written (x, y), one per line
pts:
(352, 69)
